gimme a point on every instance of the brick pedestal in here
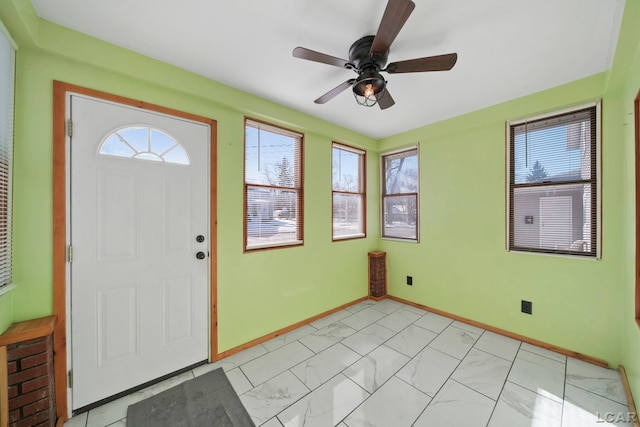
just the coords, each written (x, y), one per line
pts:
(377, 275)
(27, 384)
(31, 383)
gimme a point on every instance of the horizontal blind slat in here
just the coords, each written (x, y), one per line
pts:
(7, 74)
(273, 186)
(552, 184)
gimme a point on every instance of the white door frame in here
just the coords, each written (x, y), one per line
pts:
(61, 229)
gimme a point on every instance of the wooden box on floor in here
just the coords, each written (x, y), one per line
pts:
(27, 388)
(377, 275)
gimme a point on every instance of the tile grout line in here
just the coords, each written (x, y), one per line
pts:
(240, 366)
(476, 391)
(546, 357)
(454, 369)
(310, 391)
(494, 355)
(448, 378)
(362, 357)
(361, 403)
(506, 379)
(564, 391)
(596, 394)
(402, 319)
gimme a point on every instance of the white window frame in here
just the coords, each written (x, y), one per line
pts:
(298, 186)
(598, 105)
(382, 194)
(8, 50)
(362, 191)
(151, 153)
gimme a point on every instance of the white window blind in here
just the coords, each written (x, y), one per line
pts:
(553, 184)
(348, 185)
(7, 76)
(272, 186)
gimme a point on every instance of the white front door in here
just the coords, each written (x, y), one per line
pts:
(140, 246)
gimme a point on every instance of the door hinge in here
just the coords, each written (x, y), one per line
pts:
(70, 253)
(69, 128)
(70, 379)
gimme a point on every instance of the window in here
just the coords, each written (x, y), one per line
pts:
(348, 189)
(144, 143)
(636, 108)
(7, 73)
(272, 186)
(553, 184)
(400, 194)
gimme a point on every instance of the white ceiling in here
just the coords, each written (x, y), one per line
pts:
(506, 48)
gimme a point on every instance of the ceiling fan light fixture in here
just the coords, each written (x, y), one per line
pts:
(367, 86)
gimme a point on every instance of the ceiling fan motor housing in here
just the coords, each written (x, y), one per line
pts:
(359, 54)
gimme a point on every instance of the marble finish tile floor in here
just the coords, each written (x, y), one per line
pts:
(387, 364)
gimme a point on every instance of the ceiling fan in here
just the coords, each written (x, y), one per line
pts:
(368, 57)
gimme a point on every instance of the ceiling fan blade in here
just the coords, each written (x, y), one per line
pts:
(395, 15)
(312, 55)
(384, 99)
(334, 92)
(418, 65)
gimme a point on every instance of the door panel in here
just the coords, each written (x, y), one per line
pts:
(177, 296)
(117, 221)
(176, 205)
(117, 321)
(139, 197)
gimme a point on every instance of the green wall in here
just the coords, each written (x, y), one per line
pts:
(6, 311)
(460, 265)
(625, 81)
(279, 287)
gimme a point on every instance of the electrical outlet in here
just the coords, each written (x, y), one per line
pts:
(526, 307)
(409, 280)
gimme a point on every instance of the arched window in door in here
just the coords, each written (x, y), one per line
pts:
(144, 143)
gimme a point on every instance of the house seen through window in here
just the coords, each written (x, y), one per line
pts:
(553, 184)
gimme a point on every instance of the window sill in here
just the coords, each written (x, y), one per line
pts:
(398, 239)
(548, 254)
(274, 246)
(349, 237)
(8, 288)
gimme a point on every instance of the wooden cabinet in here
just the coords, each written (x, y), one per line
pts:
(377, 275)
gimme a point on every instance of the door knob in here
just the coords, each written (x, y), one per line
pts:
(200, 255)
(199, 238)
